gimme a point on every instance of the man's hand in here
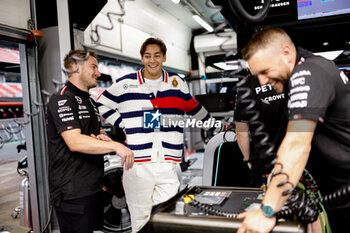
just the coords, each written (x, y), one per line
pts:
(125, 154)
(102, 137)
(255, 222)
(122, 151)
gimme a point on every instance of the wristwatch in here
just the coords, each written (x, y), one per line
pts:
(268, 211)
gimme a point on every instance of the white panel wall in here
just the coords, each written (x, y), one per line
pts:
(14, 12)
(143, 19)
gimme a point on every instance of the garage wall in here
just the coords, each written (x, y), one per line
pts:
(143, 19)
(15, 12)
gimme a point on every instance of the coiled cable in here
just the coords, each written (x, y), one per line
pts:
(305, 199)
(211, 210)
(266, 149)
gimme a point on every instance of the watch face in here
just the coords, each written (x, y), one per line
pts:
(268, 211)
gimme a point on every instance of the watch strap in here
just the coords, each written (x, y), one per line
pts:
(268, 211)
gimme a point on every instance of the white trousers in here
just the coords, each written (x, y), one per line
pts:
(147, 185)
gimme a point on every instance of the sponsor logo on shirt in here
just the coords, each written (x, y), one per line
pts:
(299, 96)
(61, 102)
(297, 104)
(84, 116)
(298, 81)
(65, 114)
(79, 100)
(133, 86)
(71, 118)
(64, 109)
(83, 113)
(265, 101)
(300, 73)
(126, 86)
(263, 88)
(299, 90)
(268, 99)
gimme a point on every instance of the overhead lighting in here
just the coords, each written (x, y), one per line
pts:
(330, 55)
(176, 1)
(203, 23)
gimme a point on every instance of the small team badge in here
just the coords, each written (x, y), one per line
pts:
(174, 82)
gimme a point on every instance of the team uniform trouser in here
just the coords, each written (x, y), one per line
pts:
(82, 215)
(147, 185)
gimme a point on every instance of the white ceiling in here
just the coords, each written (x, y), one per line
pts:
(186, 8)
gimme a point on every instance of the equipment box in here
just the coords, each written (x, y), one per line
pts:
(213, 209)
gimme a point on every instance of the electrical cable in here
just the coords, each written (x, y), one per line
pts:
(321, 206)
(49, 220)
(305, 200)
(301, 201)
(264, 146)
(211, 210)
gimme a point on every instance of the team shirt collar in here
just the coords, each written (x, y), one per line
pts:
(301, 55)
(141, 79)
(74, 89)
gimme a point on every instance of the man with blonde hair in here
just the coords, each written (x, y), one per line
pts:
(318, 131)
(76, 145)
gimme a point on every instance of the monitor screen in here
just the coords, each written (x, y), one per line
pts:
(309, 9)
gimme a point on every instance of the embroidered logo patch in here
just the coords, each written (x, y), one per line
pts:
(174, 82)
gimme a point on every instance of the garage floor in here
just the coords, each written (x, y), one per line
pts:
(9, 186)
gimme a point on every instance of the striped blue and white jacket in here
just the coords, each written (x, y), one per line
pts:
(126, 101)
